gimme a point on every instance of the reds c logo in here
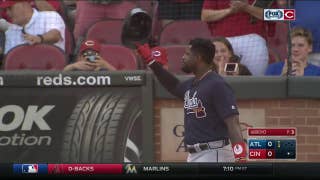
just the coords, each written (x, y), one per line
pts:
(89, 43)
(289, 14)
(156, 53)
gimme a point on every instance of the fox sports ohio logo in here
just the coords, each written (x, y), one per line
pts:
(279, 14)
(273, 14)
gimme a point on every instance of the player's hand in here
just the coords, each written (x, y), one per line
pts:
(240, 152)
(160, 55)
(145, 52)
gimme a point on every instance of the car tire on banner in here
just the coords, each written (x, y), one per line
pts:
(103, 129)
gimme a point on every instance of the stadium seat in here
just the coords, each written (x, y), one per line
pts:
(120, 57)
(181, 32)
(314, 59)
(146, 5)
(175, 53)
(69, 44)
(106, 31)
(35, 57)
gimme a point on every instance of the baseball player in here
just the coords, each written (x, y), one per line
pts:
(211, 116)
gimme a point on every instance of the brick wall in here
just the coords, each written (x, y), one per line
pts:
(304, 114)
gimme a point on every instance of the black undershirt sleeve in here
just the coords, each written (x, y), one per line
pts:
(168, 80)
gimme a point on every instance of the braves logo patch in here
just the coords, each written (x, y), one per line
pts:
(193, 105)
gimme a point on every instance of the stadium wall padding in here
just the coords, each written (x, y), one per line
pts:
(59, 97)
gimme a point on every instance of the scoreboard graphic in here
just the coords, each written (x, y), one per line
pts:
(272, 144)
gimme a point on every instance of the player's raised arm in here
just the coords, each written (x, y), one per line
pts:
(238, 144)
(168, 80)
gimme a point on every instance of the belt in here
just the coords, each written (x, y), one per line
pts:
(205, 146)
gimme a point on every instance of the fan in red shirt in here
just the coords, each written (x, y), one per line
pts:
(241, 22)
(235, 23)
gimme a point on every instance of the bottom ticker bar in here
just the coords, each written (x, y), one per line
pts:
(114, 169)
(259, 169)
(214, 169)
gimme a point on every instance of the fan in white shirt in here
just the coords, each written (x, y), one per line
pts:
(32, 27)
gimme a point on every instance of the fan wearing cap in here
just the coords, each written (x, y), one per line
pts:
(89, 59)
(32, 26)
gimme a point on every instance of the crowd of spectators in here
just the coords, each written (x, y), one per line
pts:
(224, 19)
(237, 29)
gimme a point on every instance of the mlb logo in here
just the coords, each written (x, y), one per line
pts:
(30, 168)
(279, 14)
